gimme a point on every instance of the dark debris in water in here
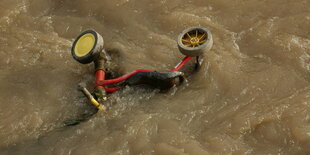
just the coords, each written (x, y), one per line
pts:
(82, 118)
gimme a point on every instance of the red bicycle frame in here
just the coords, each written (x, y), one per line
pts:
(100, 81)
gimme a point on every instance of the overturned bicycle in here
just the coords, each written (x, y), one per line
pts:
(88, 47)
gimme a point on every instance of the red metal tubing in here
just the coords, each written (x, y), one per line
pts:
(181, 64)
(111, 90)
(124, 77)
(100, 75)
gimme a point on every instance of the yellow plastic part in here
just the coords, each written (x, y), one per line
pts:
(194, 38)
(84, 44)
(97, 104)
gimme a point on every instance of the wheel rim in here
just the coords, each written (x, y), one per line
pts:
(194, 38)
(84, 45)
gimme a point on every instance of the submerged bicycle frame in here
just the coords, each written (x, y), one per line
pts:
(101, 82)
(88, 47)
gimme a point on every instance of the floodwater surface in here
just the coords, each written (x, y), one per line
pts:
(250, 96)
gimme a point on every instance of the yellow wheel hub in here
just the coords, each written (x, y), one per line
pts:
(84, 44)
(194, 38)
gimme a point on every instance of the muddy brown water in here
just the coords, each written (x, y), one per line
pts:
(251, 95)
